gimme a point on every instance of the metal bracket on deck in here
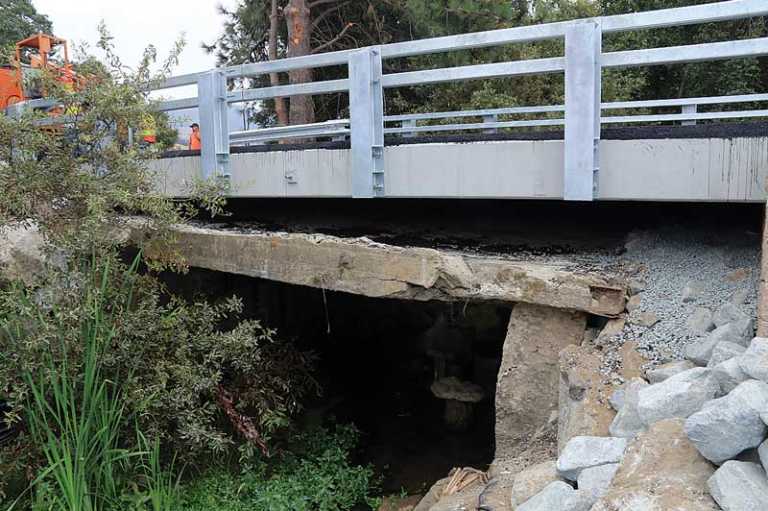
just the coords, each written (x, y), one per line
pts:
(583, 46)
(214, 124)
(366, 97)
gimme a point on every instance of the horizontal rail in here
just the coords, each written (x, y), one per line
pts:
(475, 113)
(297, 89)
(633, 58)
(177, 81)
(616, 105)
(689, 53)
(177, 104)
(691, 15)
(709, 100)
(474, 72)
(720, 11)
(330, 128)
(475, 126)
(744, 114)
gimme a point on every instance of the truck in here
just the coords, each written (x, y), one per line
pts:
(21, 79)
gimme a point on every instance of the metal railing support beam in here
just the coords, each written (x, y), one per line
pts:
(366, 98)
(214, 125)
(689, 109)
(583, 42)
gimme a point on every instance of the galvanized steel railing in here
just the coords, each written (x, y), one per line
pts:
(582, 65)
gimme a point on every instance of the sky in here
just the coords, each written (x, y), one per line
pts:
(134, 24)
(137, 23)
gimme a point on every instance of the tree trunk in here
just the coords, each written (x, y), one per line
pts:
(299, 21)
(274, 78)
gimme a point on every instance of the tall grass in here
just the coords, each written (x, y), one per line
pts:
(75, 413)
(160, 485)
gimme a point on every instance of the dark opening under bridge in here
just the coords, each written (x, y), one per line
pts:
(585, 156)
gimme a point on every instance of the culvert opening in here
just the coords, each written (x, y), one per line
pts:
(378, 364)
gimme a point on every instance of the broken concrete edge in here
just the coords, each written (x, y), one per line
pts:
(363, 267)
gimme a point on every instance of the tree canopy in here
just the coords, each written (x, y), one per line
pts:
(338, 24)
(18, 20)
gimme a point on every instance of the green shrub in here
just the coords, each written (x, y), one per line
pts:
(315, 473)
(178, 370)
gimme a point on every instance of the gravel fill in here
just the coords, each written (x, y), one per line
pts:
(669, 260)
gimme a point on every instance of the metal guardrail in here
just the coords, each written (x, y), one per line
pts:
(582, 64)
(334, 129)
(688, 116)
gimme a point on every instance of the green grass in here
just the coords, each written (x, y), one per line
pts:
(316, 474)
(77, 418)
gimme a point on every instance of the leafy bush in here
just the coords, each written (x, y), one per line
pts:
(314, 474)
(189, 382)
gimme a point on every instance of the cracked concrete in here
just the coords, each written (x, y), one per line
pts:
(361, 266)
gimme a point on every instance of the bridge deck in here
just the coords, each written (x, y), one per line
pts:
(726, 162)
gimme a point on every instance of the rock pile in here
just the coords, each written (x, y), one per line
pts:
(693, 438)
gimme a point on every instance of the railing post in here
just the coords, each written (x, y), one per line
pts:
(689, 109)
(214, 125)
(489, 119)
(408, 123)
(583, 46)
(366, 98)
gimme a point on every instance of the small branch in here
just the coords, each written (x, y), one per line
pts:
(314, 4)
(242, 423)
(335, 39)
(320, 18)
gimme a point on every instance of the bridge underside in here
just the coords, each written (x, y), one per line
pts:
(704, 163)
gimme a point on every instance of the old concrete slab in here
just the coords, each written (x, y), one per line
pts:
(361, 266)
(528, 382)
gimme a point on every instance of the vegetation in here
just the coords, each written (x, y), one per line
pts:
(250, 34)
(314, 474)
(112, 383)
(18, 20)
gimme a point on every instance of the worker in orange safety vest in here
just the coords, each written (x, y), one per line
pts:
(194, 138)
(148, 129)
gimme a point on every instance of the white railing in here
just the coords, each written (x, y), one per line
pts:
(582, 64)
(688, 115)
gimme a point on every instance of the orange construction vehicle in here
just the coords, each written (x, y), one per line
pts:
(20, 81)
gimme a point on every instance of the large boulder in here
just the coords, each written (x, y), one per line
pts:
(616, 399)
(762, 453)
(553, 496)
(627, 422)
(596, 480)
(583, 452)
(664, 371)
(700, 352)
(700, 322)
(661, 471)
(729, 313)
(584, 408)
(729, 375)
(754, 361)
(725, 350)
(532, 480)
(558, 496)
(727, 426)
(740, 486)
(679, 396)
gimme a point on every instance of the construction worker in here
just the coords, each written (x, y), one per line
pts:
(148, 129)
(194, 138)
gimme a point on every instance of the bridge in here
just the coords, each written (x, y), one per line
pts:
(582, 150)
